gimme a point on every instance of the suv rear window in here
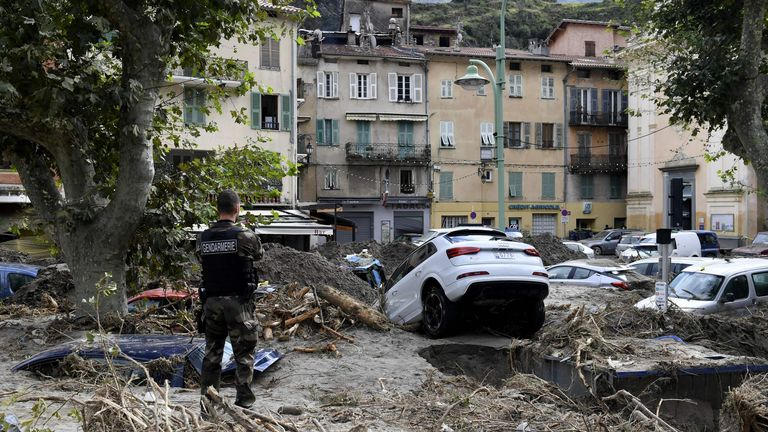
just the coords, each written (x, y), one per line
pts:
(475, 235)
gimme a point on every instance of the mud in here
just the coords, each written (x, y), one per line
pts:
(51, 287)
(746, 407)
(283, 265)
(390, 254)
(551, 249)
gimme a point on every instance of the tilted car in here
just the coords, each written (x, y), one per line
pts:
(14, 276)
(721, 285)
(604, 242)
(650, 266)
(759, 246)
(579, 247)
(628, 241)
(589, 273)
(468, 267)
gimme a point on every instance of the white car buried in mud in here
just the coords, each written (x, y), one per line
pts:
(478, 269)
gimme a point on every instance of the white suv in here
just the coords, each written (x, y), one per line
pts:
(464, 266)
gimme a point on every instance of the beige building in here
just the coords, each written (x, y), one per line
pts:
(364, 112)
(670, 182)
(271, 112)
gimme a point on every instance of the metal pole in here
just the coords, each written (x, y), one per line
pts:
(500, 74)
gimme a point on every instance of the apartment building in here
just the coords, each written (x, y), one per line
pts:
(271, 109)
(364, 112)
(596, 139)
(670, 182)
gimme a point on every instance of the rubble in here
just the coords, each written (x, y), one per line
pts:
(390, 254)
(745, 409)
(551, 249)
(50, 289)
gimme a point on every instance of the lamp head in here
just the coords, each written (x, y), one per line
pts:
(472, 80)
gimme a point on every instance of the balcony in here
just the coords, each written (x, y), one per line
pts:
(418, 154)
(597, 118)
(603, 163)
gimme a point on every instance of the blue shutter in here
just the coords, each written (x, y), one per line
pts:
(548, 185)
(320, 131)
(606, 103)
(285, 117)
(446, 185)
(593, 97)
(255, 110)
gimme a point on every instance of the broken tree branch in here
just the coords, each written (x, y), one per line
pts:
(352, 306)
(640, 406)
(303, 317)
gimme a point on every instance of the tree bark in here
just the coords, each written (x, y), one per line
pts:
(350, 305)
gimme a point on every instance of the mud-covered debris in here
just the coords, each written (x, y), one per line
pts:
(283, 265)
(745, 408)
(390, 254)
(53, 283)
(551, 249)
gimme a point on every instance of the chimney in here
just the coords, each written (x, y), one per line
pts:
(351, 37)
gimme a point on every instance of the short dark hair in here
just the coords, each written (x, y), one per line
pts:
(227, 202)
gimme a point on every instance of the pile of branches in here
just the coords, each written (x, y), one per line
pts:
(746, 407)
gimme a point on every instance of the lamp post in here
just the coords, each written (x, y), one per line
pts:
(472, 81)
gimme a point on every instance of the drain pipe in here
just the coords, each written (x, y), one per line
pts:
(429, 171)
(565, 144)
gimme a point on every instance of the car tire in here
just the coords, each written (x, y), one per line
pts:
(440, 315)
(597, 250)
(529, 318)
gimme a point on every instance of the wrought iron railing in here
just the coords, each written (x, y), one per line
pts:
(598, 118)
(602, 163)
(384, 152)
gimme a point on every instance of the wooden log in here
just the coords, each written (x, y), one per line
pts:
(353, 307)
(305, 316)
(301, 293)
(268, 333)
(338, 334)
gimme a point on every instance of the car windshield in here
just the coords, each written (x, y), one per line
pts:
(695, 286)
(761, 238)
(601, 234)
(647, 240)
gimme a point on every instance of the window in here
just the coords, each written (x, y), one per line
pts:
(179, 156)
(331, 179)
(270, 54)
(405, 139)
(406, 182)
(328, 85)
(584, 140)
(614, 104)
(587, 186)
(581, 273)
(547, 87)
(548, 185)
(453, 221)
(327, 132)
(545, 135)
(445, 41)
(419, 39)
(446, 89)
(514, 66)
(487, 176)
(760, 281)
(486, 134)
(362, 86)
(271, 112)
(363, 137)
(362, 62)
(615, 192)
(516, 85)
(582, 73)
(194, 106)
(589, 48)
(18, 280)
(583, 105)
(546, 68)
(513, 135)
(515, 184)
(617, 145)
(397, 12)
(354, 22)
(446, 186)
(405, 88)
(560, 272)
(446, 134)
(738, 286)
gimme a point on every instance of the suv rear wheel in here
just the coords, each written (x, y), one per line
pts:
(529, 318)
(440, 315)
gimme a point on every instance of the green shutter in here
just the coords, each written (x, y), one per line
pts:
(255, 110)
(285, 115)
(446, 185)
(320, 131)
(334, 132)
(515, 184)
(189, 101)
(587, 186)
(547, 185)
(200, 106)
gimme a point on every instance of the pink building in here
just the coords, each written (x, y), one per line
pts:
(586, 38)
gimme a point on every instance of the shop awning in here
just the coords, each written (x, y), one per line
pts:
(403, 117)
(361, 116)
(308, 228)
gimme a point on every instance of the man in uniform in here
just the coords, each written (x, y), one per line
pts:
(227, 253)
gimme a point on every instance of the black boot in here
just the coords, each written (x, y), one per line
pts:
(245, 397)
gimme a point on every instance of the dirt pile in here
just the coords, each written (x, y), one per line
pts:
(284, 265)
(746, 407)
(50, 289)
(390, 254)
(551, 249)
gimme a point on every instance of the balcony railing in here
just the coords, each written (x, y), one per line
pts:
(603, 163)
(597, 118)
(387, 152)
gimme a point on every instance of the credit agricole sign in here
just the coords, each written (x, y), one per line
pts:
(534, 206)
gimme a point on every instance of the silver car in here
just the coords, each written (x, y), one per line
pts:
(604, 242)
(628, 241)
(589, 273)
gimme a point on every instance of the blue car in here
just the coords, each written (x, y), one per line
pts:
(145, 348)
(14, 276)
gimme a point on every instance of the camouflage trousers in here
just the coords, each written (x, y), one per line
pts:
(229, 316)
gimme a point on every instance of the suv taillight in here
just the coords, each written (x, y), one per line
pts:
(531, 252)
(622, 285)
(464, 250)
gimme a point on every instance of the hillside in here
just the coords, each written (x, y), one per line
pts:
(526, 19)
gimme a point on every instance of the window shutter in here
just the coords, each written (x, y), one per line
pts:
(320, 131)
(353, 86)
(200, 106)
(321, 84)
(606, 103)
(189, 100)
(527, 134)
(507, 135)
(416, 83)
(335, 84)
(547, 185)
(443, 133)
(450, 134)
(334, 132)
(539, 134)
(446, 185)
(558, 135)
(255, 110)
(551, 87)
(574, 99)
(372, 84)
(593, 100)
(515, 184)
(392, 78)
(285, 115)
(519, 84)
(624, 105)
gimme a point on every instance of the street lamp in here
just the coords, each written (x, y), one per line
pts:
(308, 150)
(473, 81)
